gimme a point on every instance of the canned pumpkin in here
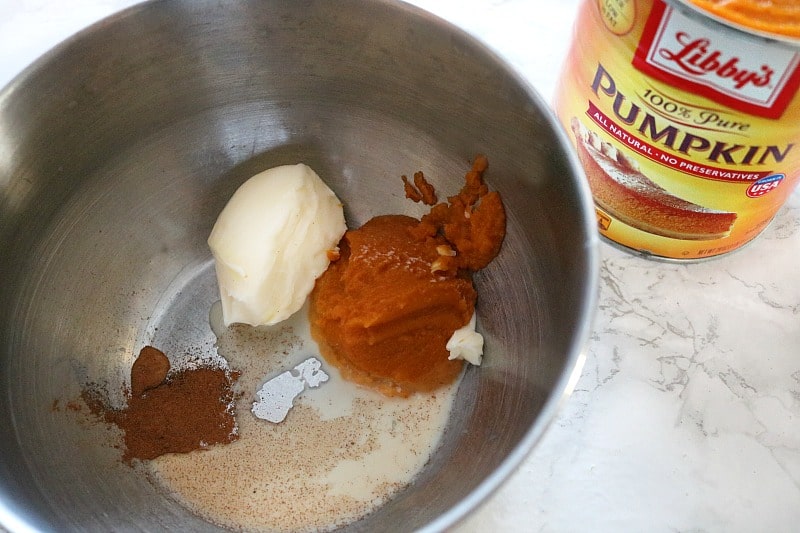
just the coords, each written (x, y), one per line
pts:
(686, 126)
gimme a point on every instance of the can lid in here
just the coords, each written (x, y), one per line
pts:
(713, 18)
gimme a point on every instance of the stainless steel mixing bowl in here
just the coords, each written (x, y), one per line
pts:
(119, 148)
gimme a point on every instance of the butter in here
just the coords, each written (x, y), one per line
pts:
(271, 242)
(466, 343)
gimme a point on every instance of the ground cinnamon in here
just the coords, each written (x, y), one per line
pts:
(187, 410)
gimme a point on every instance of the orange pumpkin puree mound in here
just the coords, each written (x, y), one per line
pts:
(383, 312)
(781, 17)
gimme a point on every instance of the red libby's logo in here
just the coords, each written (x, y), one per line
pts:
(699, 59)
(735, 69)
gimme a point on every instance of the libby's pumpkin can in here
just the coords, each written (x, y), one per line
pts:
(687, 125)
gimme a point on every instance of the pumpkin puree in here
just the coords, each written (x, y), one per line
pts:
(781, 17)
(384, 311)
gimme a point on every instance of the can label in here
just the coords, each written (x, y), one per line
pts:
(686, 129)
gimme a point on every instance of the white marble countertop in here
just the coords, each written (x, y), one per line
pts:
(687, 415)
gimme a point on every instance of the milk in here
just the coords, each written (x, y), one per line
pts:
(341, 452)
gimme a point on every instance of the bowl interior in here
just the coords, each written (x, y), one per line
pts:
(118, 150)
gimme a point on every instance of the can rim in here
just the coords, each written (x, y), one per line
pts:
(688, 6)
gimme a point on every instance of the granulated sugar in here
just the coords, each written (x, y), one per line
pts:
(341, 452)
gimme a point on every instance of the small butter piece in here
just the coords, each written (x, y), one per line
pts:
(466, 343)
(271, 242)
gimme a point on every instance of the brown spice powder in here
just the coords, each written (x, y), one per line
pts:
(189, 410)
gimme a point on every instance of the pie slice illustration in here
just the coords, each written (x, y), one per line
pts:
(620, 189)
